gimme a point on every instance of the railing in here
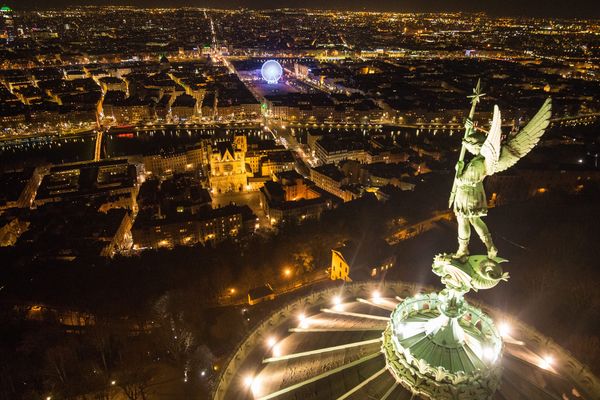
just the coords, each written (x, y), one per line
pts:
(569, 367)
(277, 319)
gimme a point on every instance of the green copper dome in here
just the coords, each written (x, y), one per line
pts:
(442, 354)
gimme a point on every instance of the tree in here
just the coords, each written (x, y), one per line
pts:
(304, 261)
(176, 337)
(135, 370)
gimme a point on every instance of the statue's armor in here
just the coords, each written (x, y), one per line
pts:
(490, 156)
(470, 200)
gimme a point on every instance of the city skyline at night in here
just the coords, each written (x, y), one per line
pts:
(586, 9)
(244, 200)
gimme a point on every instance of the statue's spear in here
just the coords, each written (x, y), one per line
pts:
(475, 98)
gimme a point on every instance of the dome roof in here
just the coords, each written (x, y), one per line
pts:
(329, 344)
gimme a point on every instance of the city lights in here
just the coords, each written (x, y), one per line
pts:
(278, 176)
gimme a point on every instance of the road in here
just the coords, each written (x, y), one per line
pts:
(407, 232)
(301, 155)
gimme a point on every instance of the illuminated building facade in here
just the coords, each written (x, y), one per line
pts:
(209, 226)
(293, 199)
(276, 162)
(184, 107)
(7, 27)
(334, 151)
(228, 167)
(103, 181)
(124, 110)
(359, 262)
(331, 179)
(167, 164)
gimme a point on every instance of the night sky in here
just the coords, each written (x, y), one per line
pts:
(548, 8)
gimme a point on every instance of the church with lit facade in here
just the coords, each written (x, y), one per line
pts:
(228, 166)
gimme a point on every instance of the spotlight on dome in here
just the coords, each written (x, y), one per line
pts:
(276, 351)
(504, 329)
(376, 297)
(249, 380)
(546, 362)
(489, 354)
(271, 71)
(303, 321)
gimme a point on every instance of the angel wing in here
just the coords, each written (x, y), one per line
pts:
(520, 144)
(491, 149)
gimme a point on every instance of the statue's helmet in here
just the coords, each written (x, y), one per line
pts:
(473, 142)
